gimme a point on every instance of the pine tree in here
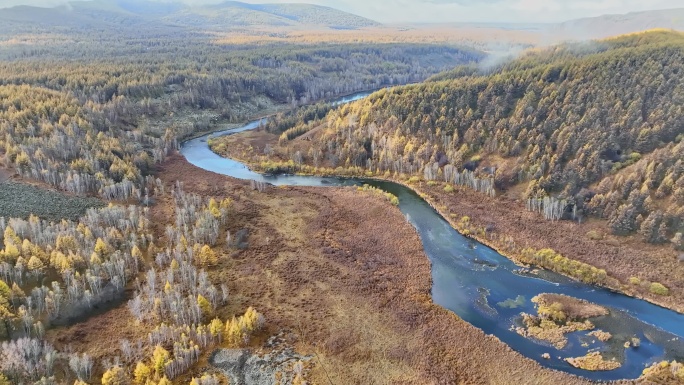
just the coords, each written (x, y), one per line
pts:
(651, 228)
(624, 220)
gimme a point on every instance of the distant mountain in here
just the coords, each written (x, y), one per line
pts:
(102, 14)
(613, 25)
(287, 14)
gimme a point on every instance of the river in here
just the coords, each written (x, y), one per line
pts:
(473, 280)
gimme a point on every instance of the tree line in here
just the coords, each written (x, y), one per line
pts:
(591, 130)
(83, 124)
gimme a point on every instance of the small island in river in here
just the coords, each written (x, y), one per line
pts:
(558, 315)
(593, 361)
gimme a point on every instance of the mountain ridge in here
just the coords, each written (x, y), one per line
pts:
(610, 25)
(221, 16)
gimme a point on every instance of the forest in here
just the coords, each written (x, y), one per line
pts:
(54, 272)
(95, 102)
(80, 126)
(97, 119)
(577, 131)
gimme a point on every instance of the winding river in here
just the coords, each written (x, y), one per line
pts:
(475, 282)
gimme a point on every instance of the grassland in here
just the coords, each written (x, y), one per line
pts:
(351, 292)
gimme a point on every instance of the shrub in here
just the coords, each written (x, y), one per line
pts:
(414, 179)
(659, 289)
(551, 260)
(634, 157)
(594, 235)
(374, 190)
(634, 281)
(448, 188)
(431, 183)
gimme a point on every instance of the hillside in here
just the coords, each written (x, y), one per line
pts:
(614, 25)
(103, 14)
(596, 128)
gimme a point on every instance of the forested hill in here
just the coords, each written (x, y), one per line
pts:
(599, 124)
(101, 14)
(613, 25)
(237, 13)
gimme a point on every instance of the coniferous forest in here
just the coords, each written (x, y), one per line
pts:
(121, 263)
(590, 130)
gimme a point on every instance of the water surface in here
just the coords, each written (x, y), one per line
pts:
(488, 290)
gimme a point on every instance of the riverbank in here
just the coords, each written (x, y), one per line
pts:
(346, 276)
(631, 265)
(275, 109)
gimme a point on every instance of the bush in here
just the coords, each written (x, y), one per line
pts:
(659, 289)
(634, 281)
(374, 190)
(448, 189)
(414, 179)
(431, 183)
(594, 235)
(551, 260)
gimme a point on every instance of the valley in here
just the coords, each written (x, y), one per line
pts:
(221, 193)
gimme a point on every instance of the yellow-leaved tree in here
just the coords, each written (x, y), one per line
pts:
(234, 334)
(160, 357)
(142, 373)
(115, 376)
(207, 256)
(204, 306)
(101, 248)
(216, 328)
(6, 314)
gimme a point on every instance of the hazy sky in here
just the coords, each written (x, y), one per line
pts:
(457, 10)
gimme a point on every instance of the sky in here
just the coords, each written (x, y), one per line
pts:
(442, 11)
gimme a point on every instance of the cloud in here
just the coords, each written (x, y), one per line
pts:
(441, 11)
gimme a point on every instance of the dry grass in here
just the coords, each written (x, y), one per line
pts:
(593, 361)
(574, 308)
(346, 274)
(467, 35)
(621, 257)
(601, 335)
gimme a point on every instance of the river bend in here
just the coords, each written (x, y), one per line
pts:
(474, 281)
